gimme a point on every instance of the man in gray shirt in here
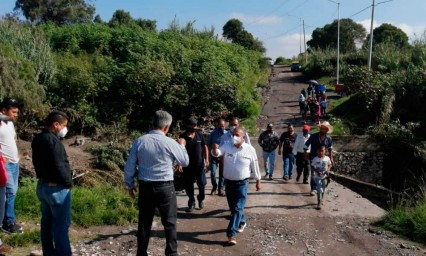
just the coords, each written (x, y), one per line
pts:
(154, 154)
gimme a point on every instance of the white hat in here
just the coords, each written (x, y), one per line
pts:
(327, 125)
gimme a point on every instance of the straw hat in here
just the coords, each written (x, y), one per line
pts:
(327, 125)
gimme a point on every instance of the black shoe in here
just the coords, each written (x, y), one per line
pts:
(12, 229)
(200, 204)
(298, 177)
(290, 177)
(305, 182)
(285, 178)
(190, 208)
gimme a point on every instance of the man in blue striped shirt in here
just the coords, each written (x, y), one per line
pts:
(154, 154)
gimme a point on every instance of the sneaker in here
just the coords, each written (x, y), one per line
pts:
(13, 228)
(190, 208)
(270, 178)
(305, 182)
(313, 193)
(242, 227)
(200, 204)
(285, 178)
(232, 240)
(221, 192)
(319, 204)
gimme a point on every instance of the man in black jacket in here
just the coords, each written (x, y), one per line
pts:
(54, 183)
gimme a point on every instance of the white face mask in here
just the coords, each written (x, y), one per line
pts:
(63, 132)
(236, 140)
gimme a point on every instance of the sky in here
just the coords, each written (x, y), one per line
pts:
(277, 23)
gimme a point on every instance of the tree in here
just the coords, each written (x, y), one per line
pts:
(387, 33)
(121, 17)
(351, 33)
(232, 28)
(150, 25)
(57, 11)
(234, 31)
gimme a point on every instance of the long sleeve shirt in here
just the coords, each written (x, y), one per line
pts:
(239, 163)
(50, 159)
(154, 154)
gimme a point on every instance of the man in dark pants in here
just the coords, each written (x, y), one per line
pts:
(215, 164)
(155, 154)
(198, 159)
(54, 185)
(314, 141)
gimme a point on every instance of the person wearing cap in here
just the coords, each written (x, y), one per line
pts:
(9, 150)
(198, 153)
(287, 140)
(154, 155)
(302, 165)
(314, 142)
(215, 164)
(269, 141)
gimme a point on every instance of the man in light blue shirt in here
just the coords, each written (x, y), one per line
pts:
(154, 154)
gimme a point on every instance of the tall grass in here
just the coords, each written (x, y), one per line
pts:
(101, 204)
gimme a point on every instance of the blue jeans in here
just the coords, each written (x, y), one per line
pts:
(214, 166)
(320, 186)
(269, 162)
(288, 163)
(11, 189)
(55, 219)
(236, 194)
(159, 195)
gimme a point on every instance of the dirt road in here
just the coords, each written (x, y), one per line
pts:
(282, 219)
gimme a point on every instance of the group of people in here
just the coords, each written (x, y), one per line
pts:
(313, 101)
(151, 161)
(305, 150)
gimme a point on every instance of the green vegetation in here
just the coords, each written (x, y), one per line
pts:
(100, 204)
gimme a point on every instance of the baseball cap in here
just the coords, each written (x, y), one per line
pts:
(306, 127)
(270, 125)
(192, 121)
(11, 102)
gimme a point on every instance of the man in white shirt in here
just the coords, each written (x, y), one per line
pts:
(302, 164)
(9, 150)
(240, 164)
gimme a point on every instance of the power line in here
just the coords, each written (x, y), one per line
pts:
(366, 8)
(271, 12)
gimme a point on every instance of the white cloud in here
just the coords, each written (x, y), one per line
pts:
(411, 31)
(261, 20)
(287, 46)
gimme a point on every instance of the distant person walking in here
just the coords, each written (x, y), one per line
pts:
(155, 154)
(240, 163)
(287, 140)
(54, 185)
(302, 165)
(198, 160)
(269, 142)
(313, 142)
(215, 165)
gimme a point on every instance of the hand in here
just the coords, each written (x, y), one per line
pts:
(132, 192)
(207, 164)
(180, 169)
(257, 185)
(181, 141)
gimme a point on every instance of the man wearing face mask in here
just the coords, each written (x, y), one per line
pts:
(54, 184)
(302, 165)
(198, 159)
(269, 141)
(227, 139)
(215, 161)
(10, 107)
(240, 164)
(314, 141)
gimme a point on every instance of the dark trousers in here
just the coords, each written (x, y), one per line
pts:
(194, 175)
(159, 195)
(302, 166)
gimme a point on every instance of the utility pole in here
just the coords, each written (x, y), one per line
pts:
(300, 37)
(338, 40)
(304, 42)
(370, 51)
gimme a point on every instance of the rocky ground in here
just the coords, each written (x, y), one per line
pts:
(281, 217)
